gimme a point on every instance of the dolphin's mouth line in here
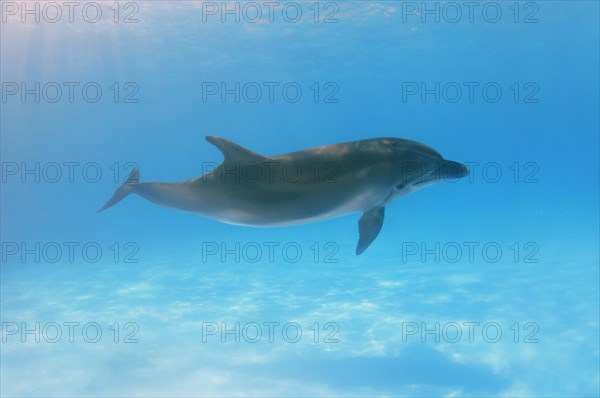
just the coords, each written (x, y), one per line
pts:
(421, 179)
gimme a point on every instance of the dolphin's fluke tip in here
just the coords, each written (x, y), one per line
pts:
(123, 190)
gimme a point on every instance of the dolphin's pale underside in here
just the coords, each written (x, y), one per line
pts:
(304, 186)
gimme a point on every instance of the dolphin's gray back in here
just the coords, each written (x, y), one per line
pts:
(293, 188)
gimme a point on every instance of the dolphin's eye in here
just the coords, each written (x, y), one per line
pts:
(399, 186)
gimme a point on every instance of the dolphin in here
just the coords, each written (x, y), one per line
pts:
(304, 186)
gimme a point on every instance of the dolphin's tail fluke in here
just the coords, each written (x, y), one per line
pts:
(123, 190)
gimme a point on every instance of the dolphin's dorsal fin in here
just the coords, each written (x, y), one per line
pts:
(234, 152)
(369, 226)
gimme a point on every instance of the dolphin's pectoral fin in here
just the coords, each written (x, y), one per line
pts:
(234, 152)
(369, 226)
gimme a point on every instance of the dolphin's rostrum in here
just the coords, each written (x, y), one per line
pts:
(304, 186)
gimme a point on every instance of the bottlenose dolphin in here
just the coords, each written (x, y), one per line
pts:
(304, 186)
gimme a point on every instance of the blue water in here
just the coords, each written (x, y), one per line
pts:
(487, 286)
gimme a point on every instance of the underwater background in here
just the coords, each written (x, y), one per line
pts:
(487, 286)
